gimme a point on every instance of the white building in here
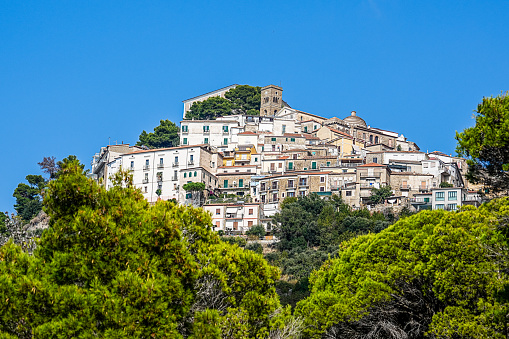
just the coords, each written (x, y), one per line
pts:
(167, 169)
(237, 218)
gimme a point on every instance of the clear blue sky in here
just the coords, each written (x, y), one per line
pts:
(75, 73)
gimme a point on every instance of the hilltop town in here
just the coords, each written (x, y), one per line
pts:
(248, 164)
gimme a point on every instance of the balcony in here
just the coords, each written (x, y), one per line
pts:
(159, 179)
(303, 184)
(374, 175)
(174, 178)
(190, 163)
(405, 187)
(225, 132)
(176, 164)
(423, 188)
(206, 131)
(146, 167)
(233, 216)
(145, 181)
(160, 165)
(274, 188)
(290, 186)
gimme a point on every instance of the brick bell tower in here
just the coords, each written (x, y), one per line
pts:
(272, 100)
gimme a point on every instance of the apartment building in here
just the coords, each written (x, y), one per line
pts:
(235, 218)
(107, 154)
(371, 176)
(221, 134)
(160, 173)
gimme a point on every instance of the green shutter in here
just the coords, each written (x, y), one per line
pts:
(185, 175)
(225, 185)
(290, 165)
(241, 182)
(313, 165)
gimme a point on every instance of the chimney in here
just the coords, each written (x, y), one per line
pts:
(354, 113)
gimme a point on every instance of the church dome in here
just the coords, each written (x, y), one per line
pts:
(354, 120)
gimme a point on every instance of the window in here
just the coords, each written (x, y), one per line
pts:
(322, 179)
(290, 165)
(249, 223)
(225, 141)
(206, 140)
(225, 184)
(272, 167)
(272, 139)
(256, 160)
(189, 195)
(185, 175)
(205, 128)
(348, 193)
(291, 194)
(176, 160)
(146, 177)
(376, 140)
(280, 165)
(132, 164)
(146, 162)
(440, 196)
(322, 189)
(316, 126)
(235, 225)
(284, 129)
(218, 211)
(451, 207)
(371, 139)
(195, 173)
(439, 206)
(250, 211)
(453, 195)
(313, 165)
(225, 129)
(184, 128)
(191, 158)
(241, 182)
(292, 139)
(305, 129)
(375, 160)
(218, 224)
(328, 163)
(146, 189)
(185, 141)
(161, 161)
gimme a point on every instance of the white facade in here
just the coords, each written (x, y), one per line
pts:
(234, 217)
(221, 134)
(168, 169)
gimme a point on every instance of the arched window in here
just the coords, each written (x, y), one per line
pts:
(371, 138)
(194, 173)
(376, 140)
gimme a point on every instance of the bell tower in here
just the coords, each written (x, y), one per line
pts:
(272, 100)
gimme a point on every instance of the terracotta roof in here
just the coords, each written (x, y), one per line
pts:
(310, 137)
(248, 133)
(285, 157)
(372, 164)
(339, 132)
(293, 135)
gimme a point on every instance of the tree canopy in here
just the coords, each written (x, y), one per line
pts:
(28, 197)
(243, 99)
(486, 145)
(113, 266)
(436, 273)
(164, 135)
(378, 195)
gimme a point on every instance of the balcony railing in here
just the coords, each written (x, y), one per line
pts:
(303, 183)
(160, 165)
(145, 181)
(190, 162)
(225, 132)
(263, 188)
(290, 186)
(206, 131)
(146, 167)
(405, 187)
(423, 188)
(274, 187)
(176, 164)
(174, 178)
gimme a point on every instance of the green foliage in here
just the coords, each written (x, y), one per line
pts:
(378, 195)
(194, 186)
(164, 135)
(435, 272)
(3, 218)
(111, 265)
(257, 231)
(255, 247)
(243, 99)
(445, 184)
(28, 197)
(239, 241)
(487, 144)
